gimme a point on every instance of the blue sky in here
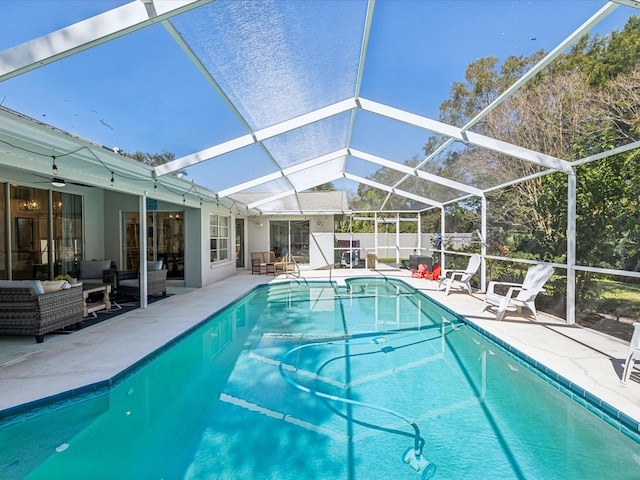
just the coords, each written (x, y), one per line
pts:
(142, 93)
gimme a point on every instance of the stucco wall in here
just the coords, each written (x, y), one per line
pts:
(320, 238)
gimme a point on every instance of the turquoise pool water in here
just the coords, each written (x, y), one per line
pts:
(311, 381)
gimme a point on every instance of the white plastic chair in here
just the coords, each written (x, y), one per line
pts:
(519, 294)
(461, 277)
(634, 352)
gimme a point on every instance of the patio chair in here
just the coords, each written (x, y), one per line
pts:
(435, 273)
(97, 272)
(519, 295)
(256, 263)
(634, 353)
(420, 272)
(460, 278)
(261, 262)
(129, 281)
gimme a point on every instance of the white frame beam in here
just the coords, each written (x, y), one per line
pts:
(414, 172)
(287, 193)
(88, 33)
(284, 172)
(546, 161)
(396, 191)
(257, 136)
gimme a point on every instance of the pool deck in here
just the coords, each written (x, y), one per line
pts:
(30, 371)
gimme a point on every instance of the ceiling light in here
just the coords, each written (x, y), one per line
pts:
(58, 182)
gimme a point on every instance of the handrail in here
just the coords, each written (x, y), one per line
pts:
(288, 258)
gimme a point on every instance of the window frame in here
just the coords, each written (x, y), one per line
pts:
(219, 238)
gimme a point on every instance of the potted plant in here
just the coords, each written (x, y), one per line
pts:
(65, 277)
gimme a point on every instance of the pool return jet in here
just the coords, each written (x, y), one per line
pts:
(412, 456)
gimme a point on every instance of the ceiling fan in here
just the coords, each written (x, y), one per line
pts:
(60, 182)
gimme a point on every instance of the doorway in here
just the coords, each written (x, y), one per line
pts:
(239, 242)
(165, 241)
(290, 236)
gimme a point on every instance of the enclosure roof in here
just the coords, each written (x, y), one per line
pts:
(261, 102)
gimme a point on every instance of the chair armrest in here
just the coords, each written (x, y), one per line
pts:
(109, 276)
(157, 274)
(452, 272)
(515, 289)
(59, 299)
(127, 275)
(492, 285)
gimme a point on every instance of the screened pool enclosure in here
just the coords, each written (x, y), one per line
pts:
(420, 112)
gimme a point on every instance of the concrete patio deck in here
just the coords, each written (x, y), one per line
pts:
(30, 371)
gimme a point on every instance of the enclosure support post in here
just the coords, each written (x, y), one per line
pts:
(419, 233)
(483, 243)
(350, 242)
(397, 238)
(571, 247)
(442, 239)
(375, 233)
(142, 272)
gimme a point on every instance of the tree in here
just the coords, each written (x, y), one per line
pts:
(325, 187)
(152, 159)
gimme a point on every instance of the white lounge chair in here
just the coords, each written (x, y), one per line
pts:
(634, 352)
(461, 277)
(519, 294)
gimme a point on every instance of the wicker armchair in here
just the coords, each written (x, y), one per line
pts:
(128, 281)
(24, 311)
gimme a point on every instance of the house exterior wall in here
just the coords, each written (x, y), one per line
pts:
(198, 269)
(93, 223)
(213, 272)
(320, 238)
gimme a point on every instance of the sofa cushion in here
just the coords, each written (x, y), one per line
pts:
(93, 268)
(132, 283)
(154, 266)
(36, 285)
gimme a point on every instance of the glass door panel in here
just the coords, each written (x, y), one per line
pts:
(169, 233)
(30, 233)
(290, 237)
(300, 241)
(165, 241)
(67, 232)
(239, 242)
(4, 251)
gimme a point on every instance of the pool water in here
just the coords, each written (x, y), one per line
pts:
(312, 381)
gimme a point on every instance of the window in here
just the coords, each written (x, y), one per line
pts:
(219, 237)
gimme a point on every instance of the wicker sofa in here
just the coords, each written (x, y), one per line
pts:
(25, 308)
(128, 281)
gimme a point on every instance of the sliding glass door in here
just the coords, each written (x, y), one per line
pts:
(46, 233)
(289, 236)
(165, 241)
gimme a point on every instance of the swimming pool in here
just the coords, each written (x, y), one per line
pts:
(312, 380)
